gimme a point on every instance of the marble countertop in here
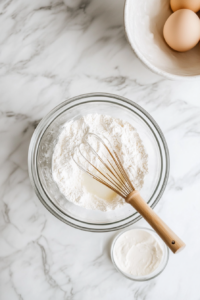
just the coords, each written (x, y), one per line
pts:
(48, 53)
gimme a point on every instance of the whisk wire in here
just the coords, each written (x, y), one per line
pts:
(111, 180)
(121, 171)
(122, 182)
(112, 171)
(124, 173)
(118, 164)
(115, 177)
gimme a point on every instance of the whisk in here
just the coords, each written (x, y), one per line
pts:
(106, 167)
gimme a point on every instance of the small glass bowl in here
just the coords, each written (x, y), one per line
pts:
(157, 271)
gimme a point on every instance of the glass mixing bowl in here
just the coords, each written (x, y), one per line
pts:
(45, 138)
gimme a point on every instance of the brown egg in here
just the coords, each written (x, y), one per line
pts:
(193, 5)
(182, 30)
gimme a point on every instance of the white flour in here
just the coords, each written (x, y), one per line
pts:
(137, 252)
(123, 137)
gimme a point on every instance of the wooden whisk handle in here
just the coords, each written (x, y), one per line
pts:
(166, 234)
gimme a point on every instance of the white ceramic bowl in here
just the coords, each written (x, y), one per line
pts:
(144, 21)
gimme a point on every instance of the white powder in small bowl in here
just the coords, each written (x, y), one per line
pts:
(137, 252)
(123, 138)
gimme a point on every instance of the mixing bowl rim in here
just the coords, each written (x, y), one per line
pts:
(51, 116)
(135, 213)
(145, 62)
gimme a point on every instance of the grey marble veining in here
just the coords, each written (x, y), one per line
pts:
(48, 53)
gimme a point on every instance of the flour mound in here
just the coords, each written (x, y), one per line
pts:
(123, 138)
